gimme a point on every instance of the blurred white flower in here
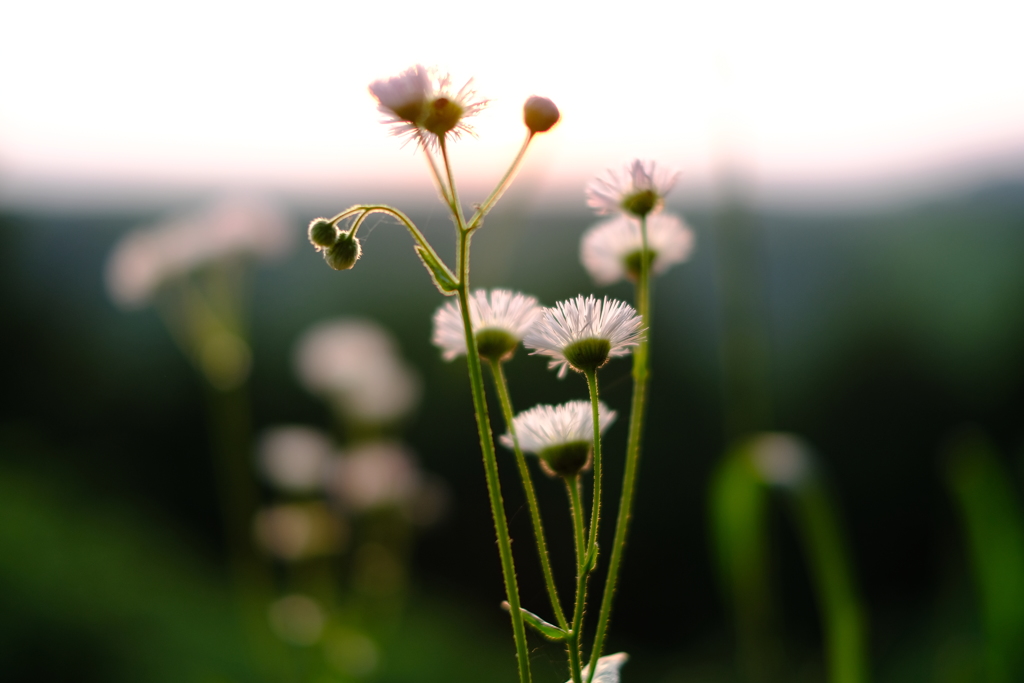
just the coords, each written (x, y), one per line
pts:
(611, 250)
(373, 475)
(500, 319)
(583, 333)
(781, 459)
(297, 619)
(607, 668)
(355, 363)
(145, 259)
(422, 99)
(294, 458)
(296, 531)
(639, 190)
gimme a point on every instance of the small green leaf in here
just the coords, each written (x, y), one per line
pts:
(443, 278)
(549, 631)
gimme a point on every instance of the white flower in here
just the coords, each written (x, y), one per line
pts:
(781, 459)
(500, 319)
(356, 364)
(373, 475)
(293, 458)
(585, 333)
(640, 189)
(294, 531)
(611, 249)
(607, 668)
(419, 99)
(545, 426)
(562, 436)
(145, 259)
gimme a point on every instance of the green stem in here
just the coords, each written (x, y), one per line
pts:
(490, 461)
(456, 206)
(531, 496)
(489, 203)
(841, 611)
(595, 510)
(636, 417)
(579, 533)
(434, 171)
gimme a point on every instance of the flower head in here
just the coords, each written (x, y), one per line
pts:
(500, 319)
(374, 474)
(612, 249)
(293, 458)
(562, 436)
(640, 190)
(607, 668)
(583, 333)
(420, 100)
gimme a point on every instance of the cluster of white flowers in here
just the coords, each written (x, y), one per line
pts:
(147, 258)
(355, 364)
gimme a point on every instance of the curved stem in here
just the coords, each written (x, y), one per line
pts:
(364, 210)
(489, 203)
(490, 464)
(636, 417)
(531, 496)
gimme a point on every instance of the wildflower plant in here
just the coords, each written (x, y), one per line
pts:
(581, 334)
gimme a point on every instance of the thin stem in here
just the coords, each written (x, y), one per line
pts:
(364, 210)
(579, 533)
(636, 417)
(595, 510)
(491, 464)
(501, 383)
(460, 220)
(434, 170)
(489, 203)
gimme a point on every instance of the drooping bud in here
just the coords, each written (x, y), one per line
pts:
(322, 233)
(540, 114)
(344, 253)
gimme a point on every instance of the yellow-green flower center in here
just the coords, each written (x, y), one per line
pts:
(442, 115)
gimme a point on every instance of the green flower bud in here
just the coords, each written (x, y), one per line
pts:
(567, 459)
(587, 355)
(322, 233)
(495, 344)
(641, 203)
(540, 114)
(344, 253)
(443, 115)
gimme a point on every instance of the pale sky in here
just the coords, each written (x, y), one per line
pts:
(218, 92)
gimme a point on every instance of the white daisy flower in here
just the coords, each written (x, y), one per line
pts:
(640, 190)
(500, 319)
(607, 668)
(562, 436)
(373, 475)
(611, 250)
(583, 333)
(421, 99)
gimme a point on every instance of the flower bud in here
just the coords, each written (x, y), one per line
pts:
(322, 233)
(540, 114)
(344, 253)
(567, 459)
(443, 115)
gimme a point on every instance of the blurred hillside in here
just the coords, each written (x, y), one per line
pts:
(886, 332)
